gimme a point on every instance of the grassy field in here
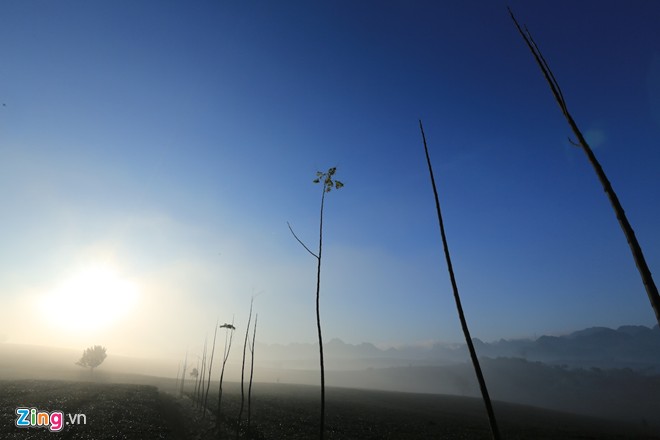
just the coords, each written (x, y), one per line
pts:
(283, 411)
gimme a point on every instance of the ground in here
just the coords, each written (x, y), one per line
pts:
(281, 411)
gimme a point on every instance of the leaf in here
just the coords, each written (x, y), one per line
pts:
(332, 171)
(315, 180)
(338, 184)
(319, 174)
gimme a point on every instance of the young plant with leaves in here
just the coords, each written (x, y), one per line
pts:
(635, 248)
(461, 315)
(329, 182)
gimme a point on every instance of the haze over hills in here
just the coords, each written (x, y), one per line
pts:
(630, 346)
(612, 373)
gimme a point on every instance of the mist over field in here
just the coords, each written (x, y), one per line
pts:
(601, 372)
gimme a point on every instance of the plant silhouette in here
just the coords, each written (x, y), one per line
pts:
(245, 343)
(635, 248)
(329, 183)
(249, 405)
(194, 373)
(461, 315)
(208, 382)
(229, 335)
(92, 357)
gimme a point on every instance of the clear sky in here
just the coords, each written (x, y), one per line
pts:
(151, 153)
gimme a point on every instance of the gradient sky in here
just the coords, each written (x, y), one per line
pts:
(168, 143)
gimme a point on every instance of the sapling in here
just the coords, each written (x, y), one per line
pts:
(183, 374)
(635, 248)
(254, 336)
(328, 184)
(178, 370)
(473, 354)
(197, 381)
(201, 375)
(247, 330)
(208, 382)
(229, 332)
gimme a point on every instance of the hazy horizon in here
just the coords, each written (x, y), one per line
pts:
(151, 155)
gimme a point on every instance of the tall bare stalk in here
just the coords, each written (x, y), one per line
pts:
(208, 382)
(635, 248)
(328, 184)
(183, 374)
(178, 370)
(229, 332)
(254, 336)
(461, 315)
(200, 381)
(240, 412)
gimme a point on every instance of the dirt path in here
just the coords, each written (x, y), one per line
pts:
(182, 420)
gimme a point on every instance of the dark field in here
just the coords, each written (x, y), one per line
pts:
(123, 411)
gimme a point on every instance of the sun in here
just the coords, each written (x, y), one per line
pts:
(94, 298)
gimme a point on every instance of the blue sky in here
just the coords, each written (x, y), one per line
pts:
(170, 143)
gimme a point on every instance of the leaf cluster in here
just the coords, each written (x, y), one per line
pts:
(328, 181)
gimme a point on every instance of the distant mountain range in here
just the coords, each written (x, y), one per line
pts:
(632, 346)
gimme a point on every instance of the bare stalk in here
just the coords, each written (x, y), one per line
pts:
(249, 406)
(635, 248)
(183, 375)
(208, 382)
(200, 381)
(461, 315)
(178, 370)
(240, 412)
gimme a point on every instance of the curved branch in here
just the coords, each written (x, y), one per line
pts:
(299, 241)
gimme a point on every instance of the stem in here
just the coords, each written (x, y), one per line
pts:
(318, 317)
(183, 374)
(225, 356)
(635, 248)
(254, 336)
(461, 315)
(240, 413)
(198, 401)
(208, 382)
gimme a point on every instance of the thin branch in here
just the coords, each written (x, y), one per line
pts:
(299, 241)
(546, 66)
(542, 64)
(575, 144)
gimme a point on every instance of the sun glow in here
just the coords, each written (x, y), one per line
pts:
(94, 298)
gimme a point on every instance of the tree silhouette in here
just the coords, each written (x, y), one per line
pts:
(328, 184)
(194, 373)
(92, 357)
(635, 248)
